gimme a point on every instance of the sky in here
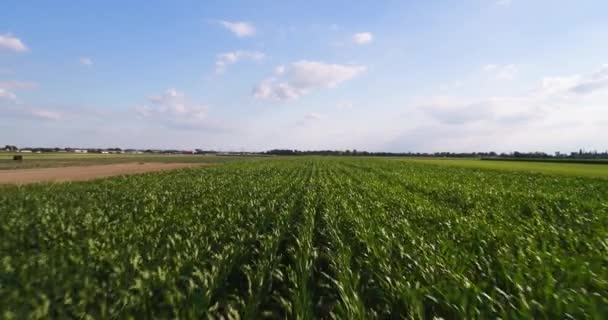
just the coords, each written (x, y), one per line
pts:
(399, 76)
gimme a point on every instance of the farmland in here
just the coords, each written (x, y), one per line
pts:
(56, 160)
(592, 168)
(84, 173)
(308, 238)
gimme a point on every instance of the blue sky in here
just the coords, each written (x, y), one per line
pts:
(474, 75)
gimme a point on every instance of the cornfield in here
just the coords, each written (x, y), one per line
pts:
(309, 238)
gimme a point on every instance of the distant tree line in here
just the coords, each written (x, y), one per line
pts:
(288, 152)
(11, 148)
(581, 154)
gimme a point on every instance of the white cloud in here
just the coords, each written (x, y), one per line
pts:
(501, 72)
(561, 112)
(570, 93)
(309, 119)
(85, 61)
(344, 105)
(504, 2)
(17, 84)
(309, 74)
(270, 89)
(10, 42)
(303, 76)
(459, 111)
(314, 116)
(228, 58)
(8, 95)
(541, 128)
(450, 85)
(17, 108)
(172, 109)
(279, 70)
(239, 28)
(363, 38)
(45, 114)
(7, 88)
(593, 82)
(173, 103)
(576, 84)
(559, 85)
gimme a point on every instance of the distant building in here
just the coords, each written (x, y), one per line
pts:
(81, 151)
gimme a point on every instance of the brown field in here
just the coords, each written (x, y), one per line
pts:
(81, 173)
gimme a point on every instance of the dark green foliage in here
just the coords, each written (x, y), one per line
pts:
(307, 238)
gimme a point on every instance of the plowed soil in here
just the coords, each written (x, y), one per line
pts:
(24, 176)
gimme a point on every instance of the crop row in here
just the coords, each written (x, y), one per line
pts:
(305, 239)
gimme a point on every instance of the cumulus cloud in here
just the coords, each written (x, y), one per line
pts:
(459, 111)
(12, 43)
(314, 116)
(279, 70)
(310, 118)
(270, 89)
(239, 28)
(554, 95)
(6, 94)
(24, 112)
(228, 58)
(301, 77)
(454, 113)
(344, 105)
(172, 109)
(17, 84)
(559, 85)
(45, 114)
(577, 84)
(593, 82)
(85, 61)
(452, 85)
(14, 107)
(310, 74)
(172, 103)
(363, 38)
(501, 72)
(8, 88)
(542, 128)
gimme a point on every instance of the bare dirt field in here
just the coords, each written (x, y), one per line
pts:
(24, 176)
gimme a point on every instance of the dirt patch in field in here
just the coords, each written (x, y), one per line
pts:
(23, 176)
